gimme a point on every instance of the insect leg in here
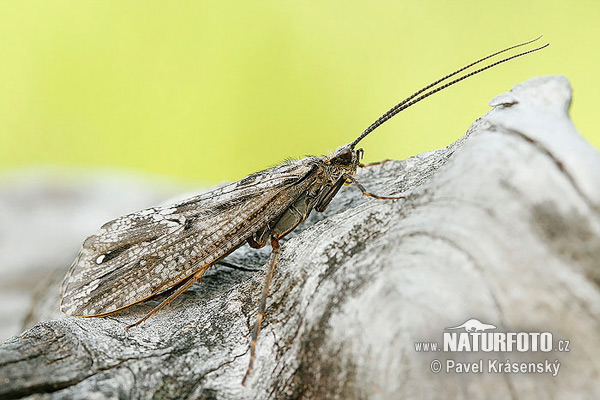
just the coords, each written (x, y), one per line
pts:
(328, 195)
(372, 164)
(262, 306)
(258, 241)
(367, 193)
(185, 286)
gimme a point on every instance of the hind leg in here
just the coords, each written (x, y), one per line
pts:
(184, 286)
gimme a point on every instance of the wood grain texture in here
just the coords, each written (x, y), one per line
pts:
(503, 226)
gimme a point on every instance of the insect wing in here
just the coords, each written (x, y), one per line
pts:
(141, 254)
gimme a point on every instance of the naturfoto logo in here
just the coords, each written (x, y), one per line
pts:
(475, 336)
(481, 337)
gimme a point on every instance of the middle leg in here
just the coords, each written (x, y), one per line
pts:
(262, 306)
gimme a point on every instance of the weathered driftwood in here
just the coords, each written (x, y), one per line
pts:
(503, 226)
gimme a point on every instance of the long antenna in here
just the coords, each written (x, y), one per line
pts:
(411, 100)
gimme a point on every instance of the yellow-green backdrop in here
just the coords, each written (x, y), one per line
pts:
(214, 90)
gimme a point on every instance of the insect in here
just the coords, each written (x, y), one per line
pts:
(140, 255)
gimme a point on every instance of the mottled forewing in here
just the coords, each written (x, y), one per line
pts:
(141, 254)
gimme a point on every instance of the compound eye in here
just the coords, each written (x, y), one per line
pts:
(346, 155)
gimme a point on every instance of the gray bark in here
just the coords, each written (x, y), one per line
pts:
(502, 226)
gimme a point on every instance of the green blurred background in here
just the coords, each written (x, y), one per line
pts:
(211, 91)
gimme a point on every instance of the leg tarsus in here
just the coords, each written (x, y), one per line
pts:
(262, 306)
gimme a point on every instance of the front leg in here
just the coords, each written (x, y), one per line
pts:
(350, 178)
(372, 164)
